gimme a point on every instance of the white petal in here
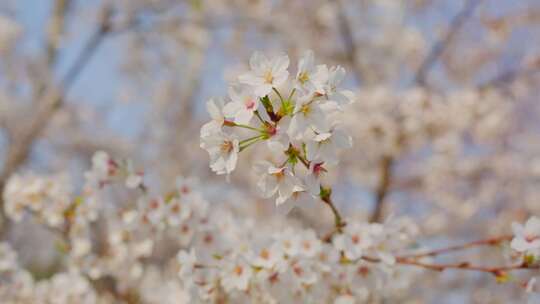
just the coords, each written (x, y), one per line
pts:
(280, 63)
(258, 61)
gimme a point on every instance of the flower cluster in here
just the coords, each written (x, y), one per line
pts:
(46, 197)
(105, 170)
(190, 250)
(18, 285)
(295, 265)
(297, 117)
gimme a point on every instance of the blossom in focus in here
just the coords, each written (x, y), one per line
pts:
(214, 107)
(309, 77)
(324, 146)
(266, 73)
(243, 104)
(277, 180)
(223, 149)
(307, 114)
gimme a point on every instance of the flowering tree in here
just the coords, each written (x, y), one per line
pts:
(411, 178)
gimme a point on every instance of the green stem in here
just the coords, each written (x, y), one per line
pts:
(259, 117)
(326, 198)
(278, 94)
(280, 98)
(292, 93)
(249, 141)
(249, 127)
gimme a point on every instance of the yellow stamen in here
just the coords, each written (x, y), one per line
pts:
(303, 77)
(268, 77)
(226, 146)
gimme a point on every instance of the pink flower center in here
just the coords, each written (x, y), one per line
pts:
(271, 130)
(318, 169)
(298, 270)
(250, 104)
(531, 238)
(154, 204)
(184, 189)
(113, 167)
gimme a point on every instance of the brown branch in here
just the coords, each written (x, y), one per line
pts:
(56, 29)
(511, 75)
(441, 45)
(388, 162)
(486, 242)
(498, 271)
(351, 49)
(383, 187)
(495, 270)
(52, 101)
(338, 220)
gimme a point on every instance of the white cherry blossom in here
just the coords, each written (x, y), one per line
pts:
(278, 180)
(223, 149)
(310, 78)
(243, 105)
(266, 73)
(214, 107)
(308, 114)
(324, 146)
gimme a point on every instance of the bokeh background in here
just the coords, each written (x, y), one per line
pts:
(445, 123)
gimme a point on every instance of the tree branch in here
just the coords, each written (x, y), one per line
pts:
(487, 242)
(498, 271)
(383, 187)
(52, 100)
(348, 39)
(388, 162)
(440, 46)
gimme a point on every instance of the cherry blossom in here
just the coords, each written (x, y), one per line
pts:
(223, 149)
(277, 180)
(266, 73)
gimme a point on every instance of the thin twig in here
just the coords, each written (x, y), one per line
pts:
(338, 220)
(351, 49)
(441, 45)
(509, 76)
(386, 172)
(495, 270)
(388, 162)
(486, 242)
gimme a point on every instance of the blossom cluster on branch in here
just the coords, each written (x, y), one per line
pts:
(207, 253)
(298, 119)
(120, 240)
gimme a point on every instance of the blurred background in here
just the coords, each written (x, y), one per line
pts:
(445, 122)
